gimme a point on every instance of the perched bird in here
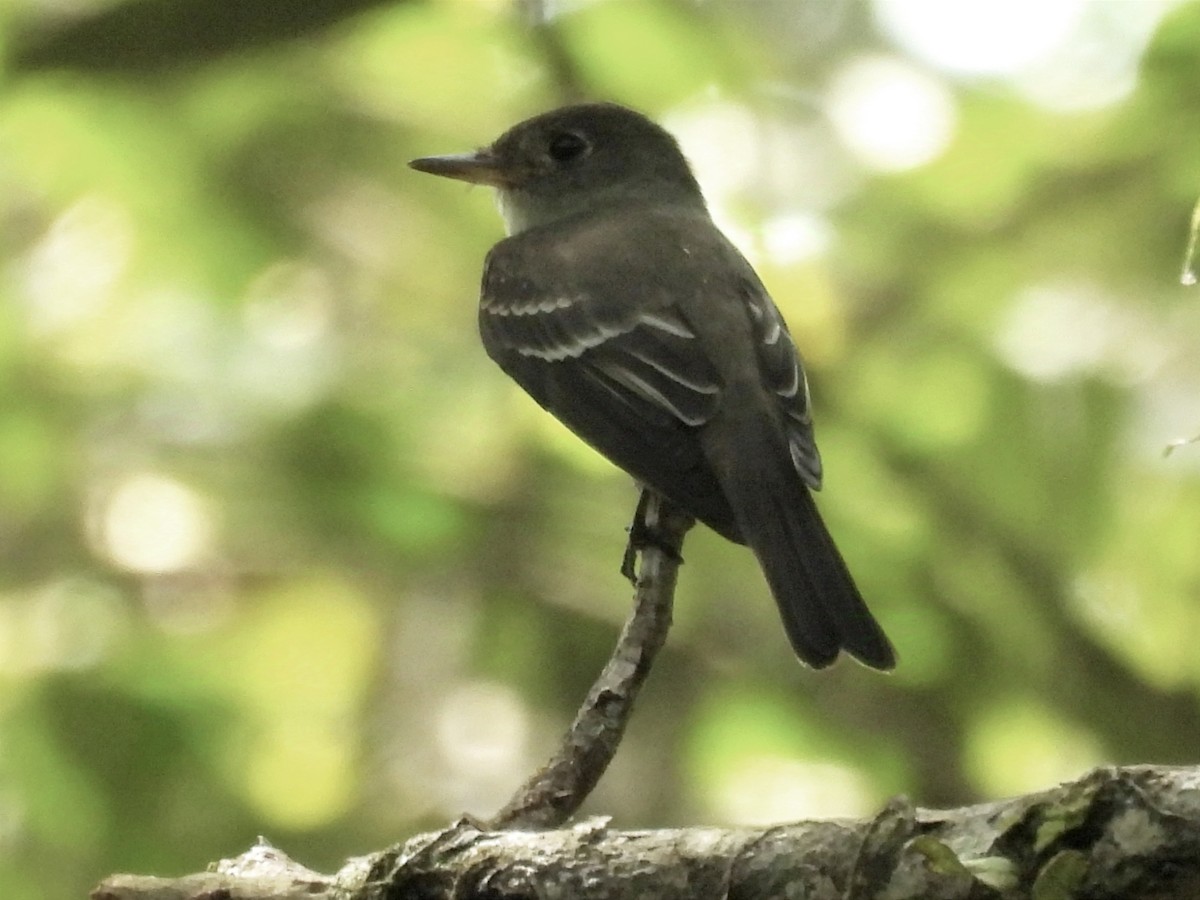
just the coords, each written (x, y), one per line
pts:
(622, 309)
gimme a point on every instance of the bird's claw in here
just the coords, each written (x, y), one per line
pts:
(644, 534)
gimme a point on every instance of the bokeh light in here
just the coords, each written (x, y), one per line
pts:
(282, 551)
(67, 624)
(764, 790)
(1019, 746)
(72, 271)
(889, 114)
(983, 37)
(154, 524)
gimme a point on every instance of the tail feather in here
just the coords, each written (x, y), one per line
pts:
(821, 607)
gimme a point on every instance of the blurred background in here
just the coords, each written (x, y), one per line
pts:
(282, 552)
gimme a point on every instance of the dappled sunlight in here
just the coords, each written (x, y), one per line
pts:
(68, 624)
(1070, 328)
(153, 524)
(481, 729)
(1065, 55)
(440, 42)
(740, 151)
(766, 790)
(290, 306)
(481, 732)
(294, 664)
(890, 114)
(290, 357)
(300, 772)
(283, 552)
(983, 37)
(72, 272)
(754, 761)
(1018, 745)
(304, 648)
(792, 238)
(1139, 597)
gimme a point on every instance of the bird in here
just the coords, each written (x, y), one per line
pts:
(624, 311)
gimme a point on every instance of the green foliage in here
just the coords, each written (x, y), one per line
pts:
(282, 553)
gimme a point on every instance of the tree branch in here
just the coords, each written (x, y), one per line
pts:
(1127, 833)
(553, 794)
(152, 36)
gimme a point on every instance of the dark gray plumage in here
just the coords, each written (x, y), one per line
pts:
(619, 306)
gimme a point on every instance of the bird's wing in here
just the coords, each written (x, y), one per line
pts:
(783, 373)
(647, 358)
(627, 377)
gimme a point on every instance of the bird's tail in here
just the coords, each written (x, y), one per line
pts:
(822, 610)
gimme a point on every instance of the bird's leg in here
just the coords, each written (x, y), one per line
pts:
(646, 531)
(636, 532)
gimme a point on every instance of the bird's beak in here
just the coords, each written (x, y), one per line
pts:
(480, 167)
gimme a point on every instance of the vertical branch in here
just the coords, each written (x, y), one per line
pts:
(556, 791)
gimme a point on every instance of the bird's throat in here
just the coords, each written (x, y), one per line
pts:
(515, 218)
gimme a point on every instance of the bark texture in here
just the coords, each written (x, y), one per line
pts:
(1130, 833)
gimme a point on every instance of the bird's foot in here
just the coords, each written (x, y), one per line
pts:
(645, 532)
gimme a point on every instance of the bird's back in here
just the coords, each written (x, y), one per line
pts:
(606, 339)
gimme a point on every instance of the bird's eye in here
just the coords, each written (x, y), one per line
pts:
(567, 146)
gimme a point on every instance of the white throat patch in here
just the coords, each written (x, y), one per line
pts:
(514, 222)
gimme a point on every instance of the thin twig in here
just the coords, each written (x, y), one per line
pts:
(553, 793)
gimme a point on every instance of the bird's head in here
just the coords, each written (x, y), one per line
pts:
(573, 160)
